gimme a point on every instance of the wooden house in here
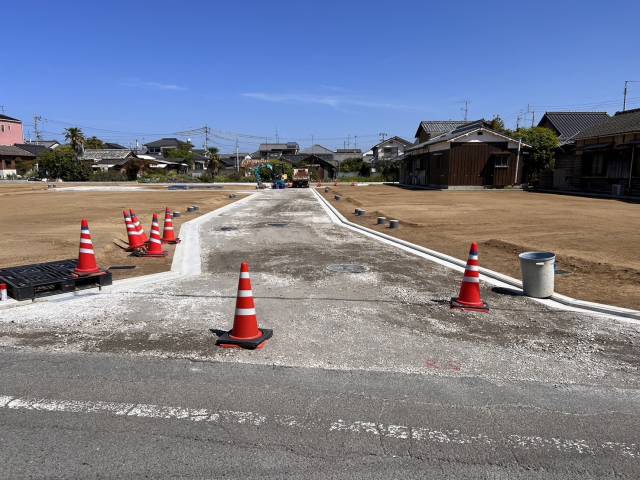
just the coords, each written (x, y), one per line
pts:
(468, 155)
(607, 156)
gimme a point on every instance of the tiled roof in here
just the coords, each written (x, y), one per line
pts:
(317, 149)
(467, 127)
(11, 151)
(569, 124)
(33, 148)
(166, 142)
(105, 154)
(397, 139)
(621, 122)
(441, 126)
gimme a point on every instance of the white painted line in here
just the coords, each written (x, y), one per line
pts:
(359, 427)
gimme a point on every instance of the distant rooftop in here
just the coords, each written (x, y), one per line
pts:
(9, 119)
(569, 124)
(621, 122)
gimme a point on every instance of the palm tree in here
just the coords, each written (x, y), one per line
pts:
(214, 160)
(76, 138)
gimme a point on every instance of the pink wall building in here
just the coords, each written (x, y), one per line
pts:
(10, 131)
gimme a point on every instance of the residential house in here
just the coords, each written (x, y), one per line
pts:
(567, 125)
(320, 160)
(469, 155)
(108, 159)
(389, 149)
(230, 162)
(9, 156)
(274, 151)
(343, 154)
(159, 147)
(10, 130)
(608, 156)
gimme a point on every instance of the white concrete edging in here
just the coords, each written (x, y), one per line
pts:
(557, 300)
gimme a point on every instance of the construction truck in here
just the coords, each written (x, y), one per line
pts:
(300, 178)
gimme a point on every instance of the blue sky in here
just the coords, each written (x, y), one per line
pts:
(126, 70)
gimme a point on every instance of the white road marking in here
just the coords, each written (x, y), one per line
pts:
(399, 432)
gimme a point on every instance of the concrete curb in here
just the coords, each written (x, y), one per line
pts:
(186, 261)
(557, 300)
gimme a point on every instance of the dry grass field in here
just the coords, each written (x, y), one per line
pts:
(39, 224)
(595, 240)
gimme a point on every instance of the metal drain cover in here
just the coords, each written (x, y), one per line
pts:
(280, 225)
(346, 268)
(228, 228)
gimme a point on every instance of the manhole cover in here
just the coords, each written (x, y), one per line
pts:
(346, 268)
(280, 225)
(228, 228)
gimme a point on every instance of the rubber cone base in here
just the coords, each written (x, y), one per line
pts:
(155, 255)
(93, 273)
(172, 242)
(484, 308)
(225, 340)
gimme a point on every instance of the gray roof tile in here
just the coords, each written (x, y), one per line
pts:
(621, 122)
(569, 124)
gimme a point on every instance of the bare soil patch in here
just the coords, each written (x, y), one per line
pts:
(595, 240)
(40, 224)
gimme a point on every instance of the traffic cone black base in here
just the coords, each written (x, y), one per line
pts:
(226, 340)
(469, 308)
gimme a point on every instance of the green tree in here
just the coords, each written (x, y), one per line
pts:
(63, 163)
(544, 143)
(497, 125)
(75, 137)
(182, 153)
(389, 170)
(351, 165)
(94, 142)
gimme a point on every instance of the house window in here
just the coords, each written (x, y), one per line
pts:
(501, 162)
(598, 165)
(1, 128)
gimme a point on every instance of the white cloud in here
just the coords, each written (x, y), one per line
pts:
(136, 82)
(334, 101)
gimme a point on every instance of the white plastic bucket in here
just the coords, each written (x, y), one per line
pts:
(537, 273)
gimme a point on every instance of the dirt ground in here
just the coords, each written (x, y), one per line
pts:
(40, 224)
(595, 240)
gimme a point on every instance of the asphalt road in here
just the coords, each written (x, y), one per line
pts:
(87, 416)
(369, 374)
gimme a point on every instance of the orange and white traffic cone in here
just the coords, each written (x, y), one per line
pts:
(469, 298)
(138, 225)
(168, 235)
(135, 239)
(245, 332)
(155, 241)
(87, 264)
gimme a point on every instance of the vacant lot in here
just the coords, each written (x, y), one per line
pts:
(40, 224)
(596, 240)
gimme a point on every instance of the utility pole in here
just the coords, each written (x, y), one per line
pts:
(533, 114)
(237, 156)
(355, 141)
(624, 99)
(348, 141)
(206, 140)
(465, 109)
(36, 127)
(312, 137)
(2, 108)
(518, 118)
(277, 136)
